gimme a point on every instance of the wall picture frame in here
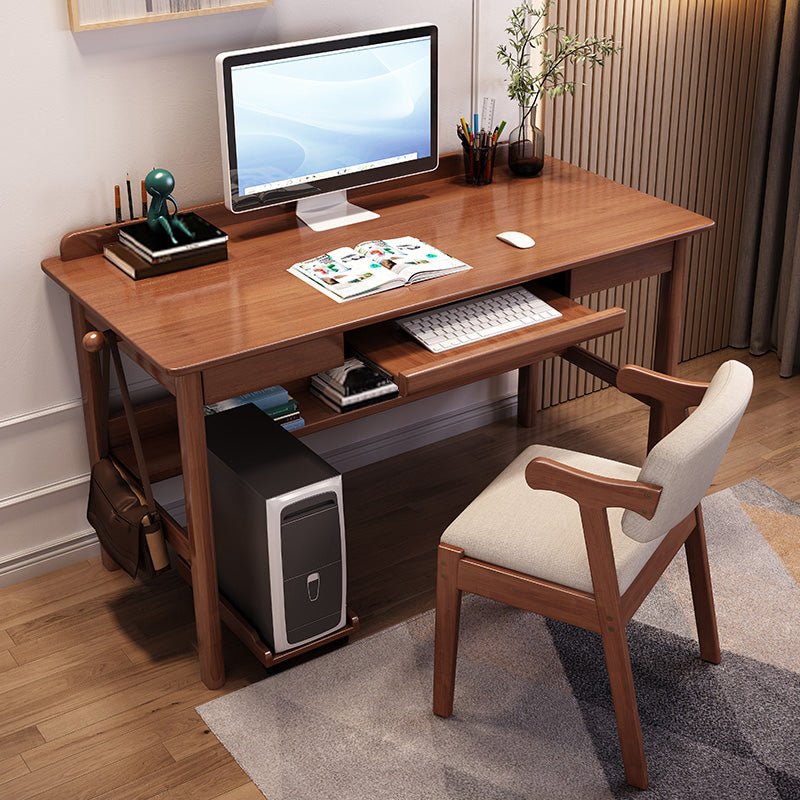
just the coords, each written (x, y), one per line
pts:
(85, 15)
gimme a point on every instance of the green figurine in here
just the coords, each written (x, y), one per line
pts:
(159, 185)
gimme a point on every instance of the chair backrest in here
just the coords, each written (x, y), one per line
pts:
(685, 461)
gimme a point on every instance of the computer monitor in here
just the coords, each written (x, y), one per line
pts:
(306, 121)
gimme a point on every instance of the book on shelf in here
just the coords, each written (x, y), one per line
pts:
(353, 385)
(283, 409)
(137, 267)
(271, 397)
(274, 401)
(156, 247)
(352, 403)
(294, 424)
(285, 418)
(375, 266)
(284, 413)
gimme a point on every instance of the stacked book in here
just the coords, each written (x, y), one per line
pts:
(143, 253)
(353, 385)
(274, 401)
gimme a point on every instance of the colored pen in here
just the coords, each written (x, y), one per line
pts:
(117, 204)
(476, 124)
(130, 198)
(144, 200)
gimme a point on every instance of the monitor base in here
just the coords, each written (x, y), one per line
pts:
(331, 210)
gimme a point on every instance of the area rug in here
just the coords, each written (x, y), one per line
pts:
(533, 716)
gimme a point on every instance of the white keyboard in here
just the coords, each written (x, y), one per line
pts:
(481, 317)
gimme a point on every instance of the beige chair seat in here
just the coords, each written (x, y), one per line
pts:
(551, 545)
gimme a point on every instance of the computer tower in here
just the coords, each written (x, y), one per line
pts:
(278, 528)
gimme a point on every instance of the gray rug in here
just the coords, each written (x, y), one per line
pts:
(533, 715)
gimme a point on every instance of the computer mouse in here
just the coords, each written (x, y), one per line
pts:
(516, 239)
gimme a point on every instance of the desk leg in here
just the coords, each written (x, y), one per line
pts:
(91, 392)
(527, 395)
(670, 312)
(191, 425)
(669, 327)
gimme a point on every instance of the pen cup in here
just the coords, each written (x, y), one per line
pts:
(478, 163)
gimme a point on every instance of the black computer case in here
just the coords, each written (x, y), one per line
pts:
(278, 528)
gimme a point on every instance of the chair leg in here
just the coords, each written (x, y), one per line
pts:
(615, 643)
(448, 614)
(702, 595)
(620, 676)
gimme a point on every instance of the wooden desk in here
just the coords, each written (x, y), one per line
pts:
(224, 329)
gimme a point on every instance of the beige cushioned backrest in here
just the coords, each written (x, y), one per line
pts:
(685, 461)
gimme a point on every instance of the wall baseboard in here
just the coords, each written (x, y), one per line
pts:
(83, 545)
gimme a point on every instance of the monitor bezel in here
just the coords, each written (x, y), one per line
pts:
(226, 61)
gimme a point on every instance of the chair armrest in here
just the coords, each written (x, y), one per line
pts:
(649, 385)
(665, 394)
(590, 490)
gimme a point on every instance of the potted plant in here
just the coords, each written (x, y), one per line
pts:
(528, 31)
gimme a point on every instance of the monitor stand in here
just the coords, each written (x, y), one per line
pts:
(323, 212)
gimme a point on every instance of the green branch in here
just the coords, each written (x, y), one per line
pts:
(528, 30)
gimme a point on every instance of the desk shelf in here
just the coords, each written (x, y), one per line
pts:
(161, 441)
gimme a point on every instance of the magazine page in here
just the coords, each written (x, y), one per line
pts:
(343, 274)
(411, 259)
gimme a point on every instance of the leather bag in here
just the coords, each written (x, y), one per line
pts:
(126, 519)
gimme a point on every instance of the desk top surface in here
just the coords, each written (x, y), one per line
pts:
(249, 304)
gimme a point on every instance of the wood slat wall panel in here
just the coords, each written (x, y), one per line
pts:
(671, 116)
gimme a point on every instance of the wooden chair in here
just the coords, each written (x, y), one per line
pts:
(582, 539)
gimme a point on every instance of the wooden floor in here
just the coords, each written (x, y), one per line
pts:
(98, 673)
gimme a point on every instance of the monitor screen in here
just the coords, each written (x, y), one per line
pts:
(309, 120)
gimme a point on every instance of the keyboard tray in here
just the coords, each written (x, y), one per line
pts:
(418, 371)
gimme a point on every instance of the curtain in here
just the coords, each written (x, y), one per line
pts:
(766, 310)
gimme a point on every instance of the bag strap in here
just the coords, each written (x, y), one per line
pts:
(105, 447)
(136, 441)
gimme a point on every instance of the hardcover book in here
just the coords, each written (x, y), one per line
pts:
(156, 246)
(137, 267)
(353, 385)
(265, 399)
(274, 401)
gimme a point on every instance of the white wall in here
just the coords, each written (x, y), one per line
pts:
(80, 111)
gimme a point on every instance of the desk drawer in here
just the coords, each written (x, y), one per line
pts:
(267, 369)
(617, 270)
(416, 370)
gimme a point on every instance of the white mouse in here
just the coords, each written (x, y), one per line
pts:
(516, 239)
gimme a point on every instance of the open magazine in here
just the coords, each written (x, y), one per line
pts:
(375, 266)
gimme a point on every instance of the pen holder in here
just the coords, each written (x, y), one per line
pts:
(478, 163)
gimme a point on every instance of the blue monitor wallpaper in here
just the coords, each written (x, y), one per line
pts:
(331, 114)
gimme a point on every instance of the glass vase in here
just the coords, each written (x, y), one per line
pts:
(526, 145)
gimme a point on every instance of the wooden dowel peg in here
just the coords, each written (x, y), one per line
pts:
(94, 341)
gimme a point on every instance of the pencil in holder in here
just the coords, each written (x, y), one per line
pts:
(478, 162)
